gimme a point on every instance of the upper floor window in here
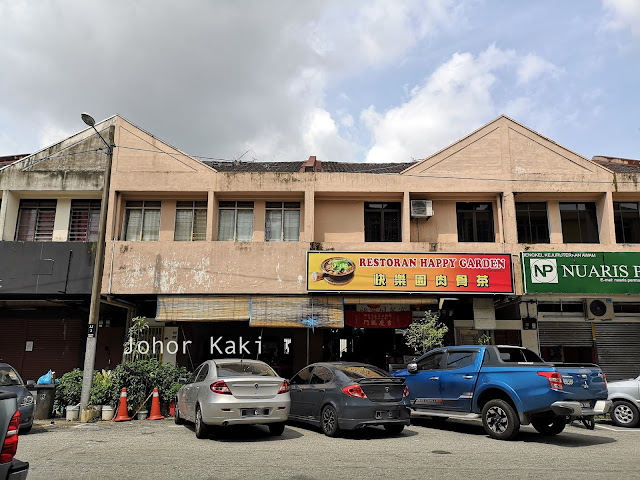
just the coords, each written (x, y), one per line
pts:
(282, 222)
(579, 222)
(382, 222)
(191, 221)
(532, 222)
(35, 220)
(235, 221)
(85, 220)
(475, 222)
(141, 221)
(627, 221)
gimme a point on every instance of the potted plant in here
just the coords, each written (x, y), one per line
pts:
(101, 394)
(68, 392)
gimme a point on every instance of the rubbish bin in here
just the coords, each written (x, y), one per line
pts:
(46, 394)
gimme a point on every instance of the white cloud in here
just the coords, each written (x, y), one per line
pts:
(532, 67)
(623, 14)
(453, 101)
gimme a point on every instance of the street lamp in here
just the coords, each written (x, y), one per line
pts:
(94, 309)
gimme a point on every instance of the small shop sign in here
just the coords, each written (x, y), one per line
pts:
(581, 272)
(409, 272)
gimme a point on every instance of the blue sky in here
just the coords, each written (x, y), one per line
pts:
(376, 81)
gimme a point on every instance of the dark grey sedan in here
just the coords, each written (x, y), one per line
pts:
(345, 395)
(10, 381)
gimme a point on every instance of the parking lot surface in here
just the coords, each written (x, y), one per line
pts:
(455, 449)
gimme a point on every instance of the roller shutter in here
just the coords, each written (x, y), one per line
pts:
(618, 347)
(568, 334)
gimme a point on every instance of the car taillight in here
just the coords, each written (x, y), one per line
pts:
(405, 393)
(11, 440)
(354, 391)
(604, 377)
(284, 388)
(555, 380)
(220, 387)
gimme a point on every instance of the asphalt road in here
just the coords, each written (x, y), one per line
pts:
(457, 449)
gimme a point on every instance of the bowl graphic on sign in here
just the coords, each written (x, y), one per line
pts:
(335, 271)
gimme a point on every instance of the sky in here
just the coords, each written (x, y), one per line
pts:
(358, 81)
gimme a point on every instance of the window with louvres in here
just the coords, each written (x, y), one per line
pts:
(35, 220)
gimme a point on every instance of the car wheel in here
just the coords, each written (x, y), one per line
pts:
(329, 421)
(394, 429)
(25, 430)
(500, 420)
(201, 427)
(276, 428)
(624, 414)
(550, 425)
(176, 416)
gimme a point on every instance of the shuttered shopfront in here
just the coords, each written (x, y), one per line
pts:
(618, 349)
(570, 334)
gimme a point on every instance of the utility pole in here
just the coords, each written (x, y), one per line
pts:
(94, 309)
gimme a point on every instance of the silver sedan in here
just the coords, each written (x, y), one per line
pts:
(232, 392)
(625, 395)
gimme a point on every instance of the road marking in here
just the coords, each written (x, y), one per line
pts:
(630, 430)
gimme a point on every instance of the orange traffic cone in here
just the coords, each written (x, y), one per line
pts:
(123, 413)
(155, 407)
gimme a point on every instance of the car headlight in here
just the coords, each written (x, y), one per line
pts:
(28, 400)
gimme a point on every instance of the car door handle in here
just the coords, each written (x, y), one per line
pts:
(468, 377)
(321, 390)
(434, 378)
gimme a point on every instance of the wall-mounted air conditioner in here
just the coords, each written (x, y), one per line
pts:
(421, 209)
(599, 309)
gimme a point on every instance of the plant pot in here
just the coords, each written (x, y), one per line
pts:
(72, 412)
(172, 408)
(142, 415)
(107, 413)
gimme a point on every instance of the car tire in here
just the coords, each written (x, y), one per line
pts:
(500, 420)
(394, 429)
(624, 414)
(176, 416)
(329, 421)
(549, 426)
(25, 430)
(276, 429)
(200, 426)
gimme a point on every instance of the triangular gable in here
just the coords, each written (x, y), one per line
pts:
(139, 151)
(506, 149)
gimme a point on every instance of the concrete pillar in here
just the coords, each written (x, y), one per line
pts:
(500, 229)
(530, 340)
(606, 224)
(309, 216)
(259, 218)
(509, 224)
(406, 218)
(61, 222)
(3, 211)
(167, 220)
(11, 205)
(555, 224)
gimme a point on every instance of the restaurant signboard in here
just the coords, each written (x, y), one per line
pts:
(459, 273)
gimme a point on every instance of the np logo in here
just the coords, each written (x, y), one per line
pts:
(544, 270)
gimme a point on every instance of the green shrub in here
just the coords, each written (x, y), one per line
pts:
(102, 389)
(69, 388)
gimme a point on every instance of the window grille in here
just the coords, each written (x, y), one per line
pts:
(85, 220)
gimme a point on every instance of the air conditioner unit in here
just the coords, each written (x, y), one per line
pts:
(421, 208)
(599, 309)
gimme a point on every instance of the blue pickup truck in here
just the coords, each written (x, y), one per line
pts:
(506, 386)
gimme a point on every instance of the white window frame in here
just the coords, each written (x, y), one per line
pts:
(235, 206)
(146, 206)
(195, 206)
(282, 208)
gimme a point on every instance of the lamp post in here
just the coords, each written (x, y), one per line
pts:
(94, 309)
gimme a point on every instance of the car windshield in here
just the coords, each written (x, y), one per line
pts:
(356, 372)
(241, 368)
(8, 377)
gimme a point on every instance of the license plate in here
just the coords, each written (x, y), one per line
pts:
(585, 405)
(252, 412)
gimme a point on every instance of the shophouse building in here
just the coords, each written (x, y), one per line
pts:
(293, 262)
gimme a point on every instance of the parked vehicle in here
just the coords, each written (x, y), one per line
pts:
(625, 395)
(506, 386)
(232, 392)
(10, 381)
(342, 395)
(10, 467)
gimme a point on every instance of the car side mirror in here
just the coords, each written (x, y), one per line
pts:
(183, 381)
(412, 367)
(31, 384)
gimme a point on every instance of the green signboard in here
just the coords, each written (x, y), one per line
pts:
(581, 272)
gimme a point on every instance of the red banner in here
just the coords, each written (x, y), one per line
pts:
(378, 319)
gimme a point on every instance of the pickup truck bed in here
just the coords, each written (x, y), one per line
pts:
(506, 386)
(12, 469)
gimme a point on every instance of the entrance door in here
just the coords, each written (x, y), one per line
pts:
(424, 385)
(458, 378)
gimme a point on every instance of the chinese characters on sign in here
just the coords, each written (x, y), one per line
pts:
(428, 272)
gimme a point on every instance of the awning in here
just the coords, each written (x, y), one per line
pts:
(391, 300)
(297, 311)
(203, 308)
